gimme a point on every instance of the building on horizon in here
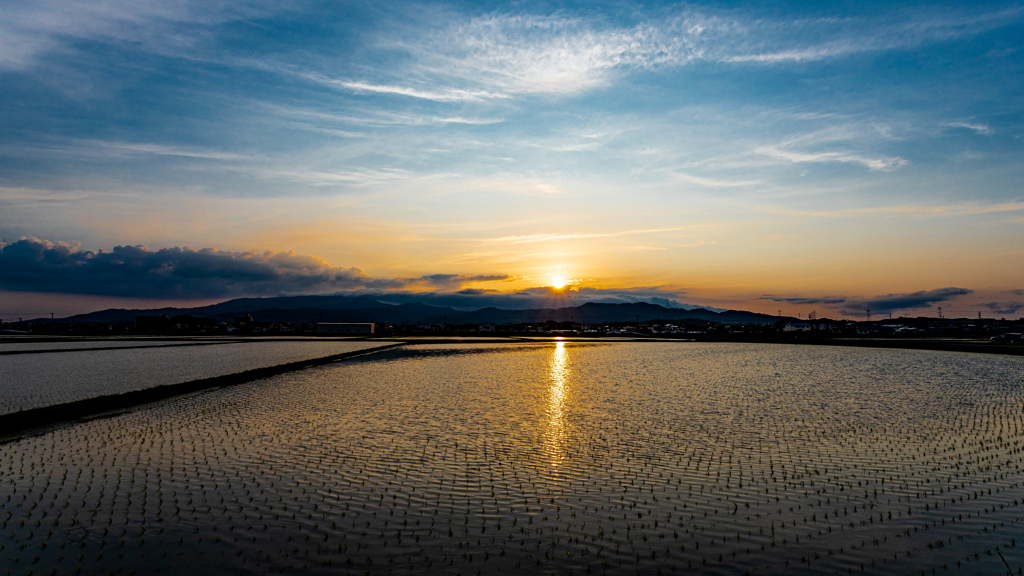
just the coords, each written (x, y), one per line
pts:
(347, 328)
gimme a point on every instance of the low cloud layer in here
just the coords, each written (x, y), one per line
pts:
(802, 300)
(181, 273)
(539, 297)
(457, 280)
(906, 301)
(33, 265)
(1010, 307)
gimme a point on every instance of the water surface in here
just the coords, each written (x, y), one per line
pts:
(37, 380)
(558, 458)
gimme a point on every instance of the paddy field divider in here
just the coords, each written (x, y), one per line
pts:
(26, 422)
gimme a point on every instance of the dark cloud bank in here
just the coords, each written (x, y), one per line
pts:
(1010, 307)
(32, 265)
(540, 297)
(181, 273)
(880, 304)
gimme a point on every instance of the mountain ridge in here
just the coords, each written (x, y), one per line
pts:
(310, 309)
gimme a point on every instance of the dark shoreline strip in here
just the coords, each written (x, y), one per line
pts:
(17, 424)
(952, 345)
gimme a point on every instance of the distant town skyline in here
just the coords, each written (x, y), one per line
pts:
(791, 156)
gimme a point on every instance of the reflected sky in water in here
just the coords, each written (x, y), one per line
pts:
(30, 381)
(711, 459)
(559, 373)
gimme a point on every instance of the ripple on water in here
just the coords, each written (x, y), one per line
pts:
(702, 458)
(38, 380)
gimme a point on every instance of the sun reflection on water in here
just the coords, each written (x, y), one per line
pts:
(559, 374)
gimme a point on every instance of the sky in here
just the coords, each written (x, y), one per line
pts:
(780, 157)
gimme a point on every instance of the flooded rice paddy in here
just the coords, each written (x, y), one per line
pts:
(58, 346)
(41, 379)
(544, 459)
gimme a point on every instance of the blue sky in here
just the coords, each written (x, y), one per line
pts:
(748, 155)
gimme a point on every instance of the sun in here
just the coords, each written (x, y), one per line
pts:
(558, 282)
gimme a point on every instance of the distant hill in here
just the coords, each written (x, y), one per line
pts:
(231, 308)
(593, 313)
(309, 309)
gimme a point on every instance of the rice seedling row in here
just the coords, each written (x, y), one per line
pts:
(38, 380)
(597, 459)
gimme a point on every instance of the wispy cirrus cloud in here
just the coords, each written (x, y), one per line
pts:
(812, 40)
(31, 29)
(376, 117)
(551, 54)
(445, 95)
(696, 244)
(534, 238)
(328, 131)
(100, 149)
(884, 164)
(497, 55)
(843, 140)
(358, 177)
(712, 182)
(501, 55)
(982, 129)
(963, 209)
(165, 150)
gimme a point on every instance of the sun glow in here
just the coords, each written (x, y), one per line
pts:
(559, 371)
(558, 282)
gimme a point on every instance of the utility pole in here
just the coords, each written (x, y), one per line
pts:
(51, 317)
(940, 312)
(869, 314)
